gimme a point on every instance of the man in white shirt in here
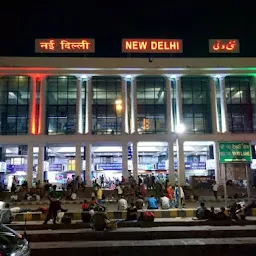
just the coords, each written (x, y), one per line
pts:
(215, 190)
(2, 205)
(119, 191)
(165, 202)
(122, 204)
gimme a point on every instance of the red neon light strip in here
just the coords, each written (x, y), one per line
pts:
(33, 128)
(40, 116)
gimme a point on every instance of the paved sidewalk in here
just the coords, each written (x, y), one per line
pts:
(151, 243)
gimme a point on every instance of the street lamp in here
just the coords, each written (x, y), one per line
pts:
(119, 106)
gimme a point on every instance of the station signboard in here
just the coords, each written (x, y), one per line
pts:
(152, 45)
(82, 45)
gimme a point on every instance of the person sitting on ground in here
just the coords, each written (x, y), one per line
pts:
(240, 212)
(203, 213)
(122, 204)
(165, 202)
(152, 203)
(85, 206)
(221, 215)
(100, 220)
(139, 203)
(6, 215)
(132, 213)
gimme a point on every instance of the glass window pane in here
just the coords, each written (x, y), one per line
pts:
(196, 104)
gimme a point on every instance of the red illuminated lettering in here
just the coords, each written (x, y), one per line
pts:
(223, 45)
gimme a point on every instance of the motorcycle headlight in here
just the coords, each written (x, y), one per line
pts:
(23, 249)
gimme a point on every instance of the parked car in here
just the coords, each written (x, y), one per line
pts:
(12, 243)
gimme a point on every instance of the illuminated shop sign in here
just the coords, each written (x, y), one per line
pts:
(224, 46)
(65, 45)
(152, 45)
(235, 152)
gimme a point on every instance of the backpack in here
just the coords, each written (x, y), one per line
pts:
(66, 220)
(147, 216)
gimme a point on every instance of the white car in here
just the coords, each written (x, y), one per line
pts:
(12, 243)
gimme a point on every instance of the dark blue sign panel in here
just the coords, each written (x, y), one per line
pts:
(129, 153)
(112, 167)
(188, 166)
(55, 167)
(16, 168)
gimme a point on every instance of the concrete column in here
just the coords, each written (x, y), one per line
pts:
(125, 161)
(217, 162)
(135, 160)
(88, 161)
(30, 165)
(169, 111)
(171, 163)
(42, 107)
(134, 128)
(125, 126)
(181, 164)
(79, 105)
(40, 166)
(88, 110)
(213, 106)
(223, 105)
(32, 106)
(78, 160)
(179, 103)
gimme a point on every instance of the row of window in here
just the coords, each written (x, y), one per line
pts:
(151, 104)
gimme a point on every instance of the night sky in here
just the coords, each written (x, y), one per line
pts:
(108, 23)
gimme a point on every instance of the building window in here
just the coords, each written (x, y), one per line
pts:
(239, 104)
(61, 105)
(196, 104)
(106, 114)
(151, 105)
(14, 105)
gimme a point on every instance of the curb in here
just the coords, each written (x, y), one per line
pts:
(173, 213)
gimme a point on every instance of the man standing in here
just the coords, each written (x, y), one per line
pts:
(215, 190)
(55, 206)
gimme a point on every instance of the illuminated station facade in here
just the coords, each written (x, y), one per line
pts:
(114, 117)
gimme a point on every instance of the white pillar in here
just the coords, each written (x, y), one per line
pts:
(217, 162)
(30, 165)
(169, 111)
(32, 106)
(135, 160)
(88, 162)
(88, 109)
(213, 105)
(125, 161)
(78, 161)
(181, 164)
(79, 105)
(125, 128)
(171, 163)
(178, 103)
(134, 125)
(40, 166)
(223, 105)
(42, 107)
